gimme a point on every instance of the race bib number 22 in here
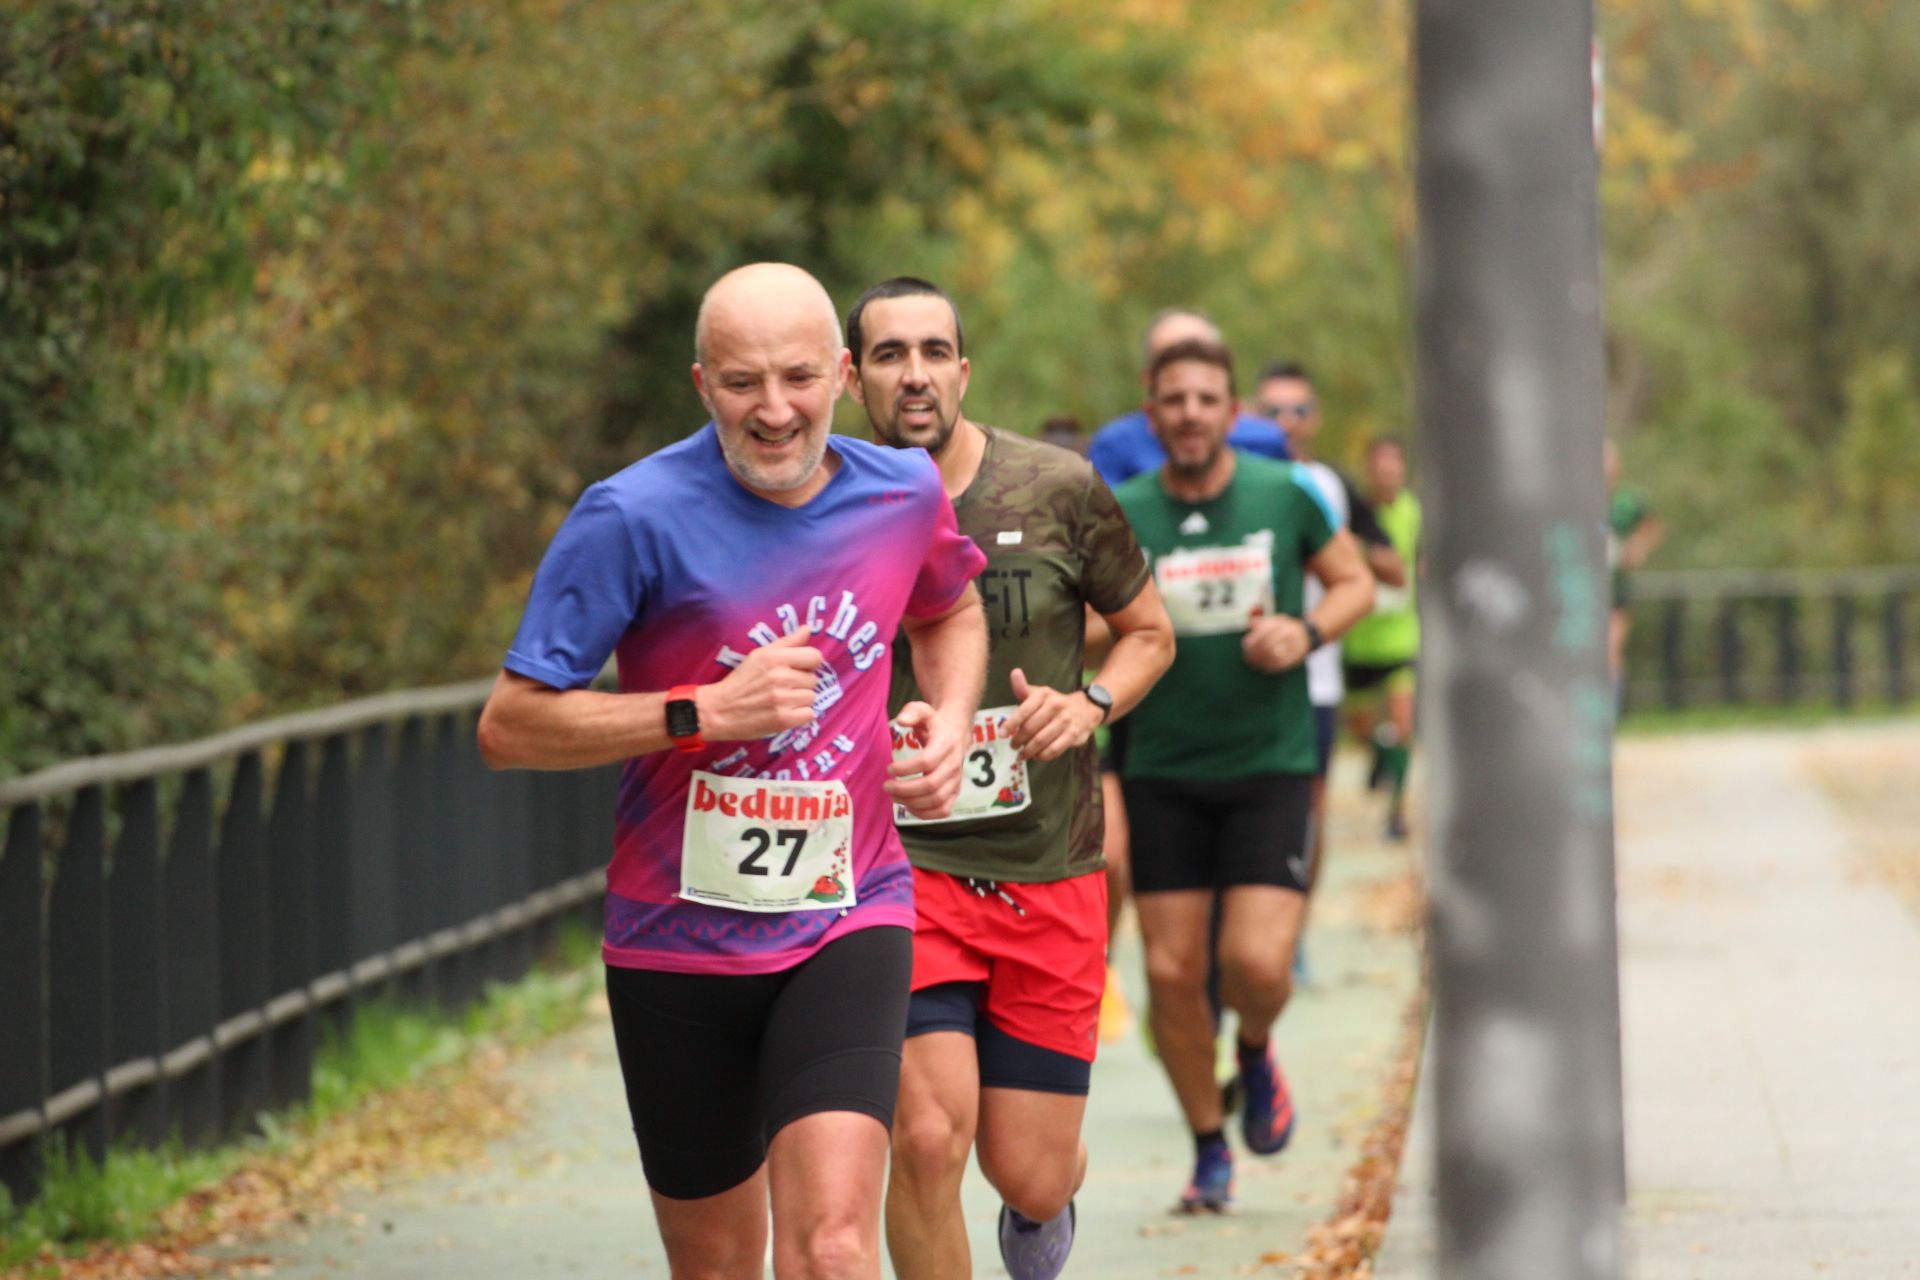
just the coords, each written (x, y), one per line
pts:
(1215, 590)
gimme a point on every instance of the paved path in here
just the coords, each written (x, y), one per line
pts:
(1771, 1014)
(564, 1196)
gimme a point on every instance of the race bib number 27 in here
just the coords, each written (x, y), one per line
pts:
(754, 844)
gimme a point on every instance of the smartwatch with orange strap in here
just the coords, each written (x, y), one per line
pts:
(683, 719)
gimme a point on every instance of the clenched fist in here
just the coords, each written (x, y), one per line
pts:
(1275, 644)
(770, 691)
(928, 782)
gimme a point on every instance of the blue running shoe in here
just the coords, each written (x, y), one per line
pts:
(1035, 1250)
(1266, 1116)
(1211, 1190)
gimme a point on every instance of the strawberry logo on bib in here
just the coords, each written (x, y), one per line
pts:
(993, 778)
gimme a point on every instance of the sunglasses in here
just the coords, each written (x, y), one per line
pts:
(1302, 410)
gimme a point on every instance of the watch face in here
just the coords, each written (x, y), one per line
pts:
(1099, 696)
(683, 719)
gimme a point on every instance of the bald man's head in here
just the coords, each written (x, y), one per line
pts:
(770, 367)
(1173, 326)
(757, 289)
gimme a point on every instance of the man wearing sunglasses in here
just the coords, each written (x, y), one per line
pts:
(1285, 396)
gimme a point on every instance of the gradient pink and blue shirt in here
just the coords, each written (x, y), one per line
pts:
(677, 570)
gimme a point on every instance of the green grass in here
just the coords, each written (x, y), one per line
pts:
(1652, 720)
(83, 1202)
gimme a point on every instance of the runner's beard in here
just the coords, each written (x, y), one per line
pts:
(1194, 470)
(737, 447)
(933, 437)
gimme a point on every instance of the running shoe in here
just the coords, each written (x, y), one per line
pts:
(1035, 1250)
(1211, 1190)
(1266, 1117)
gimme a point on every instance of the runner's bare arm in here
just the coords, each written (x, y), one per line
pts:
(529, 725)
(1642, 543)
(1280, 642)
(1051, 722)
(1386, 565)
(1349, 585)
(950, 666)
(1099, 636)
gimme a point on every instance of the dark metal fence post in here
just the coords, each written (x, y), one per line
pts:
(134, 913)
(240, 886)
(1673, 663)
(23, 959)
(370, 853)
(291, 893)
(1517, 707)
(413, 882)
(1731, 685)
(478, 829)
(1843, 650)
(516, 872)
(77, 968)
(190, 940)
(333, 875)
(1894, 642)
(1786, 634)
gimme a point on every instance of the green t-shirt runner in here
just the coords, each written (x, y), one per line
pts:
(1391, 633)
(1055, 540)
(1627, 510)
(1216, 562)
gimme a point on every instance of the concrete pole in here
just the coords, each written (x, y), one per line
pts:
(1517, 709)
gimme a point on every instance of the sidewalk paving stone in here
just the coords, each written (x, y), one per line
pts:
(1771, 1026)
(564, 1196)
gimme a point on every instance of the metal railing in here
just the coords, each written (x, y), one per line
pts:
(1780, 637)
(177, 925)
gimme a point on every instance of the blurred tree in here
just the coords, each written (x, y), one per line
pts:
(128, 133)
(312, 327)
(1763, 163)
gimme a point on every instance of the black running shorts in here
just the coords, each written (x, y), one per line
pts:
(1362, 676)
(717, 1064)
(1217, 833)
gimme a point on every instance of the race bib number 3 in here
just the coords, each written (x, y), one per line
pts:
(753, 844)
(993, 777)
(1215, 590)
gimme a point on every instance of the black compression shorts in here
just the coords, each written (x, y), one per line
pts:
(1362, 676)
(716, 1064)
(1191, 833)
(1005, 1060)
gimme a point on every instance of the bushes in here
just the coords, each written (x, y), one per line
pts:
(312, 327)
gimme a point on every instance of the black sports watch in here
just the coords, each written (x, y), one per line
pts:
(1097, 694)
(1314, 638)
(683, 719)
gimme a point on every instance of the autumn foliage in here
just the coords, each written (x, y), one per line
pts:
(313, 326)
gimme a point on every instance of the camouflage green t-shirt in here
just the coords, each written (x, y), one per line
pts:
(1055, 540)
